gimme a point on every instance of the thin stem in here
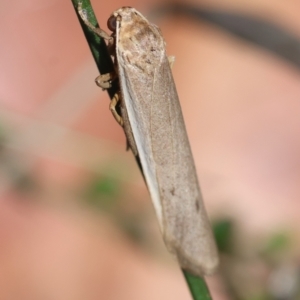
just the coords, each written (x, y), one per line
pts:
(197, 286)
(97, 45)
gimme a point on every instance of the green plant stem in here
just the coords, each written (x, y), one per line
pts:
(197, 285)
(97, 45)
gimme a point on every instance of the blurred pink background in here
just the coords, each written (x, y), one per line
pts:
(242, 111)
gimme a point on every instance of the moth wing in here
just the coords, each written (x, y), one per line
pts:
(187, 231)
(159, 132)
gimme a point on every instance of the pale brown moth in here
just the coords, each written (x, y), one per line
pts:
(153, 123)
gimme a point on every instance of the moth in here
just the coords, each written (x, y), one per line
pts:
(151, 116)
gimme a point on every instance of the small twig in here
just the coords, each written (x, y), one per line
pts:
(96, 44)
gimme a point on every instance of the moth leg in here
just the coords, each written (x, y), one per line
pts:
(112, 107)
(171, 60)
(98, 31)
(105, 80)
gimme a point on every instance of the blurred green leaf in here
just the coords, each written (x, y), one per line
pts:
(262, 296)
(133, 226)
(103, 192)
(223, 232)
(277, 247)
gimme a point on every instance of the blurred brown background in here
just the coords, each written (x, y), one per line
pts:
(76, 220)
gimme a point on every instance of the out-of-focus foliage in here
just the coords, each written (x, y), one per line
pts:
(107, 194)
(13, 172)
(266, 269)
(103, 192)
(223, 234)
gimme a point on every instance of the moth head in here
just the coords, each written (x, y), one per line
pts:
(112, 23)
(117, 16)
(125, 14)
